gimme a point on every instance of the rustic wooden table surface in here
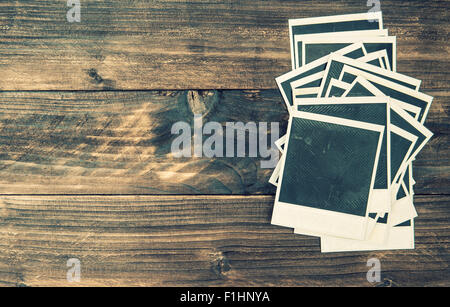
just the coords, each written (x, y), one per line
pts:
(85, 165)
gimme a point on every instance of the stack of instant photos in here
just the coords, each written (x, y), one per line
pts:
(355, 127)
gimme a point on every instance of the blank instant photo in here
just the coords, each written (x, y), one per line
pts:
(299, 42)
(329, 24)
(402, 144)
(362, 87)
(373, 110)
(274, 180)
(336, 64)
(391, 89)
(327, 175)
(317, 47)
(309, 86)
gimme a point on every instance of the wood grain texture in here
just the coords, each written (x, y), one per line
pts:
(87, 109)
(120, 143)
(196, 241)
(199, 44)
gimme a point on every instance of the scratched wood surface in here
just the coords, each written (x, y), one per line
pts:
(84, 164)
(176, 44)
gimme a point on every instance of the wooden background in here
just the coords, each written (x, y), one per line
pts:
(85, 165)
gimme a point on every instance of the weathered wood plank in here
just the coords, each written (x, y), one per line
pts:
(191, 44)
(196, 241)
(120, 143)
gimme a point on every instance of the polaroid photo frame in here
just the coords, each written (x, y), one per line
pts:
(329, 24)
(314, 214)
(307, 87)
(316, 47)
(364, 109)
(337, 35)
(402, 210)
(392, 89)
(397, 137)
(336, 64)
(360, 86)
